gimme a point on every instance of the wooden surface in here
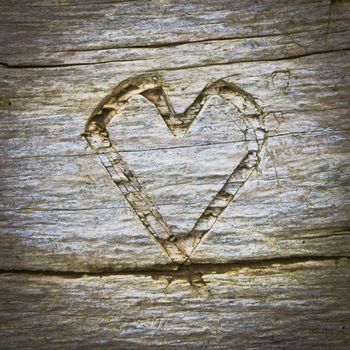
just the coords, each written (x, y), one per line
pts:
(208, 207)
(252, 307)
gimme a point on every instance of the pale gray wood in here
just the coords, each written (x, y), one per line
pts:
(102, 31)
(295, 305)
(302, 186)
(272, 272)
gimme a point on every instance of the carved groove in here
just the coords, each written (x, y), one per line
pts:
(179, 249)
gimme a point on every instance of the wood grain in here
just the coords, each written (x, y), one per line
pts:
(304, 305)
(306, 167)
(79, 268)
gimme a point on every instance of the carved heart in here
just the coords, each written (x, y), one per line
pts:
(198, 143)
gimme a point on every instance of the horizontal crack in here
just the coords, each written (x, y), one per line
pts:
(165, 44)
(276, 135)
(233, 142)
(59, 4)
(286, 58)
(64, 65)
(181, 271)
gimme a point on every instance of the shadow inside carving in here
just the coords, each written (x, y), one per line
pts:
(178, 247)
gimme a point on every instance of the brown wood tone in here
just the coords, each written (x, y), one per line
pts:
(174, 174)
(305, 305)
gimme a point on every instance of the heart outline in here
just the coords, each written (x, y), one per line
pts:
(150, 86)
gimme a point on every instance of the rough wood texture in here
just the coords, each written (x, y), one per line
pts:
(262, 307)
(147, 136)
(302, 183)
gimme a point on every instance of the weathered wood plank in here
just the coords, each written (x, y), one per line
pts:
(48, 173)
(86, 27)
(228, 151)
(280, 306)
(49, 103)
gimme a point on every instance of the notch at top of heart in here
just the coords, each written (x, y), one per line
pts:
(167, 97)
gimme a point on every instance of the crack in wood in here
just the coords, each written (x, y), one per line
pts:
(178, 248)
(180, 67)
(174, 271)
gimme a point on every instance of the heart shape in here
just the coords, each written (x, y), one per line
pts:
(246, 132)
